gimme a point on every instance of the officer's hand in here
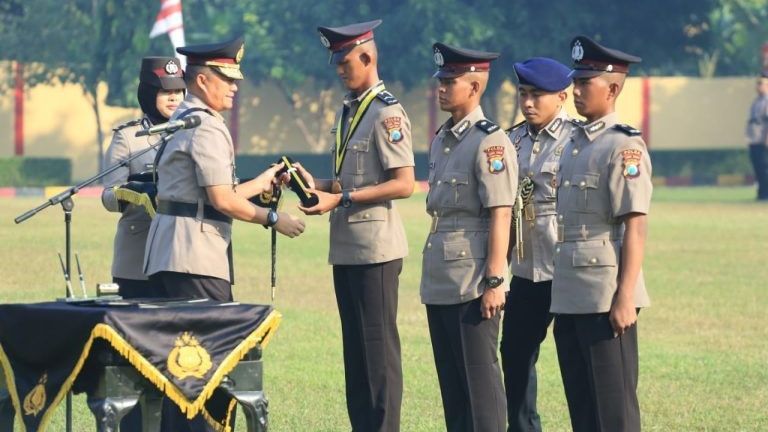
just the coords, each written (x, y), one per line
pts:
(307, 176)
(623, 315)
(289, 225)
(492, 302)
(266, 179)
(326, 203)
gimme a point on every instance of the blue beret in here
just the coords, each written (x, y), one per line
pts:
(543, 73)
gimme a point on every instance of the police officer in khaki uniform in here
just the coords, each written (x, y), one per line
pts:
(161, 89)
(757, 135)
(472, 183)
(603, 201)
(539, 141)
(189, 245)
(372, 166)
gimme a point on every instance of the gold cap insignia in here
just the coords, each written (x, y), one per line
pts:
(240, 53)
(34, 401)
(188, 358)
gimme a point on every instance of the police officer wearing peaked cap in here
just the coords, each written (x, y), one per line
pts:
(372, 167)
(602, 203)
(472, 183)
(539, 141)
(189, 247)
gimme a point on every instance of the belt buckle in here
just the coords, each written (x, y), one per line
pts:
(433, 227)
(530, 212)
(560, 233)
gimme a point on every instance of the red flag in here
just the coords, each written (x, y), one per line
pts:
(170, 20)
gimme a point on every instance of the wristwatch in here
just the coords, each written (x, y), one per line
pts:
(272, 218)
(493, 281)
(346, 200)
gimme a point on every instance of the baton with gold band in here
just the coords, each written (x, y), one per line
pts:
(297, 183)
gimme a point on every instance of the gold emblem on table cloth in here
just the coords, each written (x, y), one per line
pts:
(188, 358)
(34, 401)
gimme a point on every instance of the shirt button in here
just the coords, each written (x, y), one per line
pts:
(593, 260)
(463, 253)
(447, 150)
(434, 213)
(575, 152)
(582, 184)
(354, 147)
(567, 183)
(559, 217)
(367, 216)
(133, 227)
(557, 249)
(429, 245)
(453, 181)
(439, 182)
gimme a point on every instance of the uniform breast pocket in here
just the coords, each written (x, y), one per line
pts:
(585, 187)
(357, 152)
(456, 189)
(548, 179)
(367, 213)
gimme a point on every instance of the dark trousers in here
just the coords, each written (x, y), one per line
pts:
(758, 154)
(367, 297)
(465, 346)
(526, 318)
(599, 373)
(193, 286)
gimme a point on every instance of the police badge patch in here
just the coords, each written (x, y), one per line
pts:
(394, 129)
(495, 157)
(631, 162)
(188, 358)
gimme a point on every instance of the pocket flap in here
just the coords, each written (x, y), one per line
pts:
(550, 167)
(588, 180)
(599, 256)
(463, 249)
(456, 178)
(365, 213)
(358, 145)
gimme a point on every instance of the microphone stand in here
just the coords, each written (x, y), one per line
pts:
(67, 204)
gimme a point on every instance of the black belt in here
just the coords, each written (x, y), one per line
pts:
(176, 208)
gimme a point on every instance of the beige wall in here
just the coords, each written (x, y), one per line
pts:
(686, 113)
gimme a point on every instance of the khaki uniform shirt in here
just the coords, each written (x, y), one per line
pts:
(757, 127)
(371, 233)
(131, 234)
(472, 167)
(192, 160)
(605, 173)
(538, 157)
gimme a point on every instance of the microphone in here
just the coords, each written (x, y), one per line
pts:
(171, 126)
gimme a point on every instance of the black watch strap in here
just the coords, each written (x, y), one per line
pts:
(346, 199)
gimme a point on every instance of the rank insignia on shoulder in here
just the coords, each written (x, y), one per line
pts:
(495, 157)
(516, 126)
(387, 97)
(631, 162)
(127, 124)
(487, 126)
(394, 129)
(627, 129)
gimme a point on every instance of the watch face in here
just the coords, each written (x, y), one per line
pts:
(494, 281)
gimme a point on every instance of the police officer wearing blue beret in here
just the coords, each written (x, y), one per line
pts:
(539, 140)
(603, 203)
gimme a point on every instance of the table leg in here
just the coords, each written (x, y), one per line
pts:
(245, 384)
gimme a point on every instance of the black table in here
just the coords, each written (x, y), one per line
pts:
(122, 353)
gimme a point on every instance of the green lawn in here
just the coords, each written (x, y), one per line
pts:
(704, 343)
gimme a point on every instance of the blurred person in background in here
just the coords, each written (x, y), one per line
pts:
(757, 136)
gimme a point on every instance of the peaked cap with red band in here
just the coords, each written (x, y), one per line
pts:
(162, 72)
(592, 59)
(453, 62)
(341, 40)
(223, 57)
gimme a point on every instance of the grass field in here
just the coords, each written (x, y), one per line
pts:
(703, 344)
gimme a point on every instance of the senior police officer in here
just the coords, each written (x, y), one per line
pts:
(472, 183)
(602, 203)
(372, 166)
(161, 89)
(189, 245)
(539, 141)
(757, 135)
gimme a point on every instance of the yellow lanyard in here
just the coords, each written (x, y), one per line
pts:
(341, 145)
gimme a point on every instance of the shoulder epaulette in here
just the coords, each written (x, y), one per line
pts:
(487, 126)
(126, 124)
(387, 97)
(516, 126)
(627, 129)
(193, 110)
(576, 122)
